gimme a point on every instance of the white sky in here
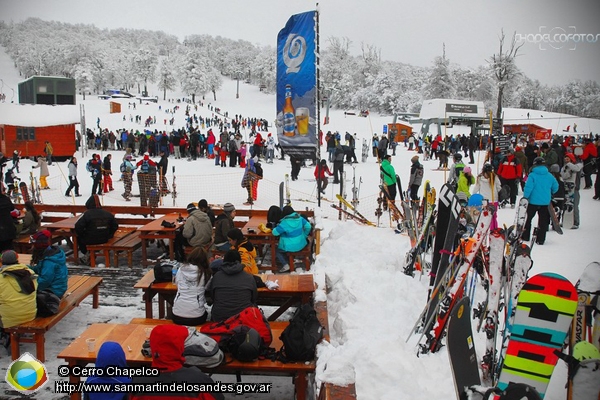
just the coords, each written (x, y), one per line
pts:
(410, 31)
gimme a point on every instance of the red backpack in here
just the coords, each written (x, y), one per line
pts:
(251, 317)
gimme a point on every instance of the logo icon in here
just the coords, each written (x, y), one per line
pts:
(27, 374)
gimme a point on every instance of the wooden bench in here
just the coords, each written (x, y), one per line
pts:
(79, 287)
(298, 370)
(127, 245)
(306, 254)
(105, 248)
(22, 245)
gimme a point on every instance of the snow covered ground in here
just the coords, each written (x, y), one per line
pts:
(372, 304)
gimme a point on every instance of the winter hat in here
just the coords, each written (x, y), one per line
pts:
(92, 202)
(414, 159)
(467, 170)
(545, 146)
(190, 207)
(457, 156)
(287, 210)
(269, 134)
(40, 239)
(228, 208)
(539, 161)
(15, 213)
(518, 148)
(554, 168)
(9, 257)
(571, 157)
(167, 344)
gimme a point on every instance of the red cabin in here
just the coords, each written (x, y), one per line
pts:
(27, 127)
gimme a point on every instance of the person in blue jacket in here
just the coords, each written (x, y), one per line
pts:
(539, 188)
(110, 353)
(293, 231)
(52, 265)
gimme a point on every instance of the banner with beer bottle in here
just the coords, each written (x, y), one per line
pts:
(297, 86)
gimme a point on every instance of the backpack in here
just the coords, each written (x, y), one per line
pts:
(145, 167)
(245, 344)
(163, 271)
(89, 167)
(259, 170)
(301, 336)
(123, 167)
(201, 350)
(48, 303)
(251, 317)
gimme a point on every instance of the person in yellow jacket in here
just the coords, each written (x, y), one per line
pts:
(246, 249)
(18, 287)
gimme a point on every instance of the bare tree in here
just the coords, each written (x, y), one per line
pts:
(504, 67)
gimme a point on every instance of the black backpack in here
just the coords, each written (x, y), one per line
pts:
(259, 170)
(245, 344)
(163, 271)
(48, 303)
(301, 336)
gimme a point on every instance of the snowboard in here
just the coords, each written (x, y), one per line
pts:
(587, 286)
(545, 308)
(445, 230)
(584, 372)
(24, 192)
(461, 349)
(554, 219)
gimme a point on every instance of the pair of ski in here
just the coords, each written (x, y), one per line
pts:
(357, 216)
(35, 196)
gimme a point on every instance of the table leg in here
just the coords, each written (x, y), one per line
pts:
(74, 381)
(75, 248)
(274, 255)
(144, 252)
(148, 296)
(301, 383)
(171, 248)
(283, 308)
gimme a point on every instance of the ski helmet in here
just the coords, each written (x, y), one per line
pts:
(487, 167)
(539, 161)
(457, 156)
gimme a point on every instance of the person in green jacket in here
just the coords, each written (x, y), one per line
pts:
(465, 180)
(389, 176)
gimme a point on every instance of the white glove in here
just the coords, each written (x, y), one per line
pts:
(272, 285)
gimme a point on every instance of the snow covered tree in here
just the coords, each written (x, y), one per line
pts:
(144, 62)
(440, 84)
(166, 76)
(504, 67)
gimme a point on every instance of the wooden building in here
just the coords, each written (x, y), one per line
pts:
(398, 131)
(27, 127)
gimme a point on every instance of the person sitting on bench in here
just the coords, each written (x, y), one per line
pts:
(96, 226)
(293, 231)
(17, 291)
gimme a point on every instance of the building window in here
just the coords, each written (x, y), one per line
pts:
(25, 133)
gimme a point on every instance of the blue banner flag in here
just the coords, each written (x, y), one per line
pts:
(297, 86)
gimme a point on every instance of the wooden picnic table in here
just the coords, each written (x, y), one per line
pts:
(251, 231)
(132, 336)
(154, 230)
(66, 229)
(293, 289)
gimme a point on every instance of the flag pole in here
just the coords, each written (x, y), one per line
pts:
(318, 98)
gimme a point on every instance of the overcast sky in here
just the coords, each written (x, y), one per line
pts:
(410, 31)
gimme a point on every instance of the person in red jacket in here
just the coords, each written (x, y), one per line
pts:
(167, 345)
(258, 144)
(320, 170)
(510, 172)
(589, 156)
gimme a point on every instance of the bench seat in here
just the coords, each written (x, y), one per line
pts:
(127, 245)
(105, 248)
(79, 287)
(21, 244)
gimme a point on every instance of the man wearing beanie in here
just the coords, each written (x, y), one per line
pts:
(17, 291)
(224, 224)
(50, 264)
(203, 206)
(416, 177)
(167, 345)
(96, 226)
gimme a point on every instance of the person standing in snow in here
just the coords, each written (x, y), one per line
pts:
(416, 177)
(389, 177)
(44, 172)
(571, 175)
(539, 188)
(73, 182)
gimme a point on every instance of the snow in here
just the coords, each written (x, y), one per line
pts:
(37, 115)
(372, 304)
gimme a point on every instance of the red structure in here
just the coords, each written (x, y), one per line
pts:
(539, 133)
(26, 128)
